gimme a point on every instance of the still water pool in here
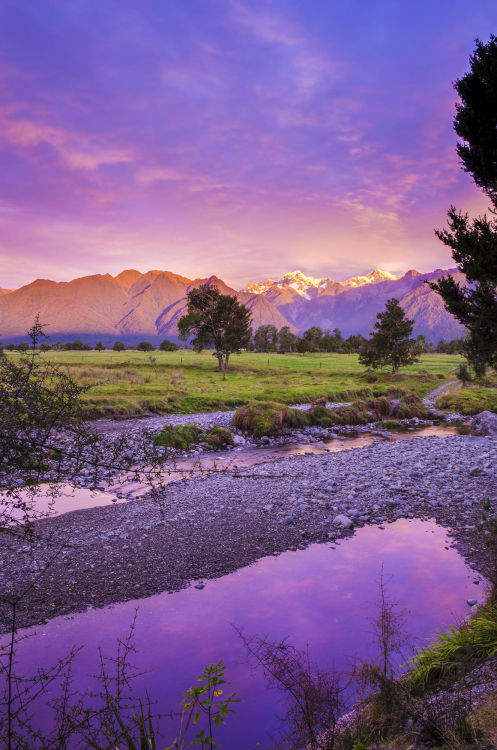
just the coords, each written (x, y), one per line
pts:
(324, 597)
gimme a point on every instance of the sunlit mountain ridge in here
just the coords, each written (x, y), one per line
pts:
(135, 305)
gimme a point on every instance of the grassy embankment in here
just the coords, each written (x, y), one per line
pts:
(401, 714)
(132, 383)
(473, 398)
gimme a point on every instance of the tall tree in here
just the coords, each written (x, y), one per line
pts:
(145, 346)
(265, 338)
(390, 342)
(476, 117)
(287, 340)
(332, 342)
(314, 337)
(168, 346)
(474, 241)
(216, 320)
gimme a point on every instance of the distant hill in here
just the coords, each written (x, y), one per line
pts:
(132, 305)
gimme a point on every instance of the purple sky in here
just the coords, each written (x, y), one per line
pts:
(235, 137)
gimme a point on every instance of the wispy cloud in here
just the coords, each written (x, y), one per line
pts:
(77, 150)
(240, 137)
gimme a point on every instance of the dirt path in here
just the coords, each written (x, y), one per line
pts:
(431, 398)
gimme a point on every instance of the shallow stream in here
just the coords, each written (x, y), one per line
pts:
(78, 498)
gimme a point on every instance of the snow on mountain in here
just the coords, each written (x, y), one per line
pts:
(258, 288)
(310, 287)
(375, 277)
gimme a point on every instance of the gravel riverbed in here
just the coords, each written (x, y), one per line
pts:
(208, 527)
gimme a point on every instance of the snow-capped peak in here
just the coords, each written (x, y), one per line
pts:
(309, 286)
(304, 285)
(254, 288)
(297, 280)
(375, 277)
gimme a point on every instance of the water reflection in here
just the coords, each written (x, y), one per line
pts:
(320, 596)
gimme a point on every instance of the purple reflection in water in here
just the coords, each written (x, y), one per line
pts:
(320, 596)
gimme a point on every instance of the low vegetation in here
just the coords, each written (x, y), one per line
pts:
(390, 424)
(183, 437)
(132, 383)
(470, 400)
(456, 650)
(270, 418)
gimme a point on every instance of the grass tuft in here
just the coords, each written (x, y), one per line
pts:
(456, 648)
(183, 437)
(268, 418)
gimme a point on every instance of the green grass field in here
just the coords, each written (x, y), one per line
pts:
(133, 383)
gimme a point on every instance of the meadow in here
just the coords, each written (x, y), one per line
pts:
(133, 383)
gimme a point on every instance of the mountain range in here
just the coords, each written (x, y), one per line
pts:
(133, 306)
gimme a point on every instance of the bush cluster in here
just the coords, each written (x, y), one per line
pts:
(270, 417)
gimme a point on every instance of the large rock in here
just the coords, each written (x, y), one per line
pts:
(484, 423)
(343, 521)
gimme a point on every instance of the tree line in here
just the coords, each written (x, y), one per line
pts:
(268, 339)
(79, 346)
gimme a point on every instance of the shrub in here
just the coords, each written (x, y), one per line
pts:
(410, 406)
(179, 437)
(396, 392)
(298, 418)
(323, 417)
(182, 437)
(381, 407)
(321, 401)
(258, 419)
(464, 429)
(219, 437)
(354, 414)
